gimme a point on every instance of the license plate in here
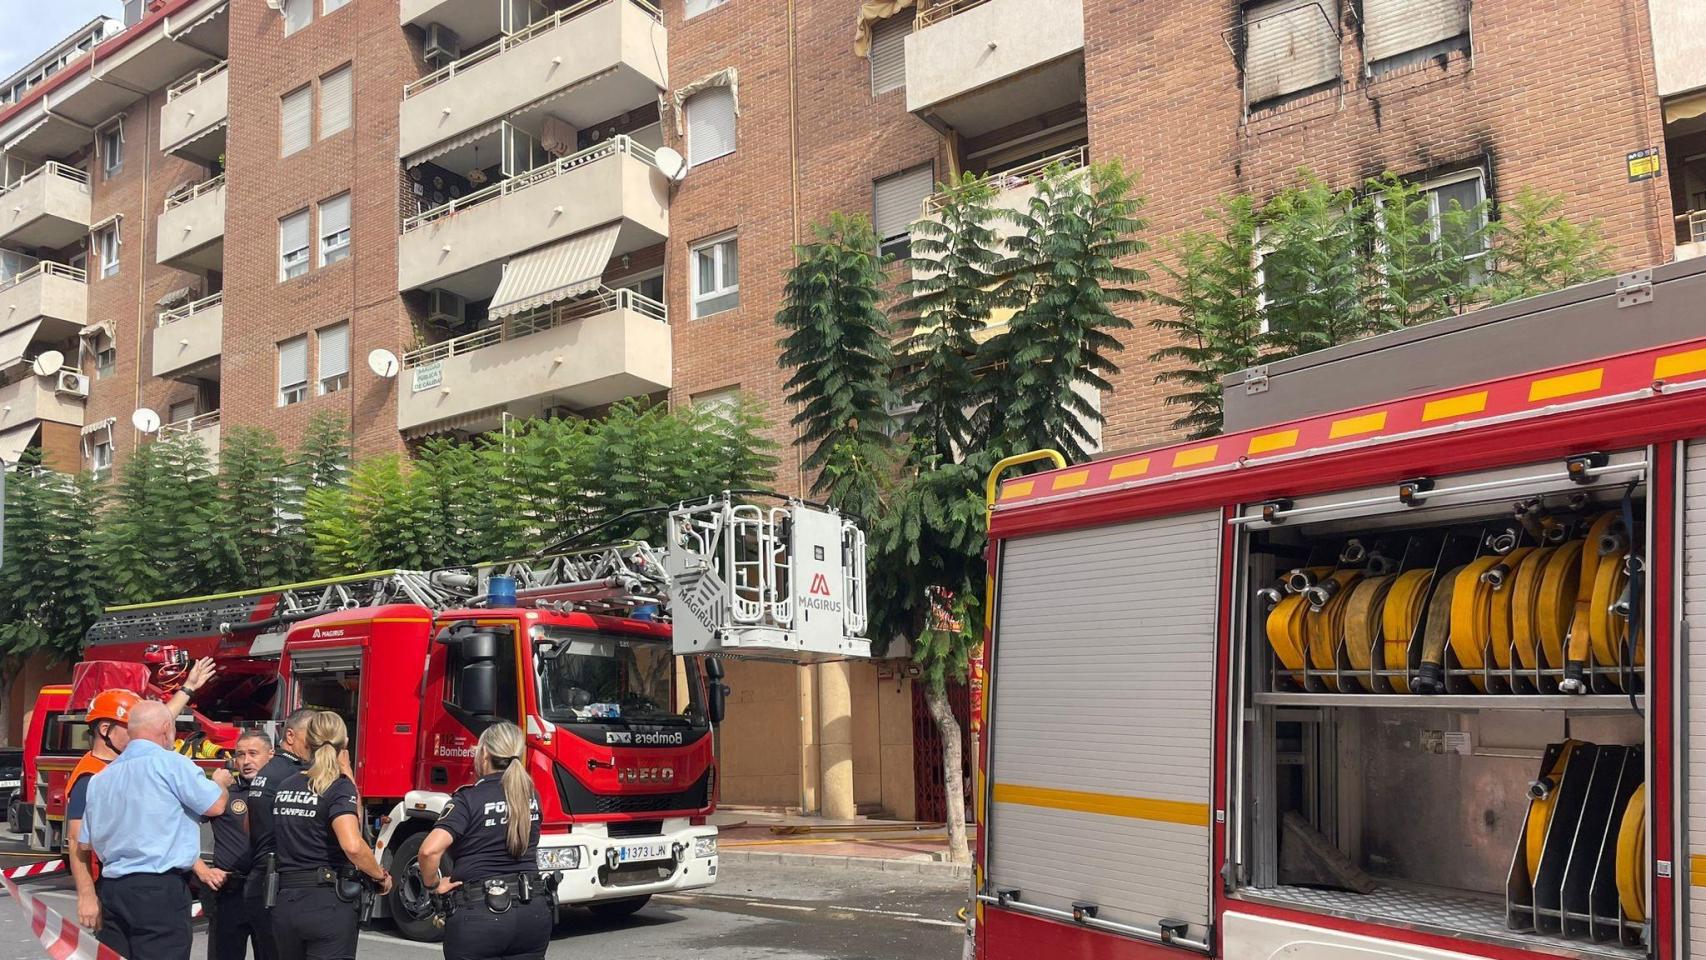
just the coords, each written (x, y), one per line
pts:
(9, 784)
(635, 852)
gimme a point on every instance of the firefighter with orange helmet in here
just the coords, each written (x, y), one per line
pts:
(108, 719)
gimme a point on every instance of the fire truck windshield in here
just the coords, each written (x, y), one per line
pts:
(589, 677)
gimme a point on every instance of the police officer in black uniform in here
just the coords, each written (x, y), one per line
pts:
(262, 788)
(500, 908)
(228, 931)
(325, 867)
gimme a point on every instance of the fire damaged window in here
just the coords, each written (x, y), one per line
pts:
(1401, 33)
(1291, 47)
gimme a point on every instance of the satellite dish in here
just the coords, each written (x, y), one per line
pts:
(145, 420)
(48, 363)
(670, 163)
(383, 362)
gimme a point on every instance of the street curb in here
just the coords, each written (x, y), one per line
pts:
(930, 868)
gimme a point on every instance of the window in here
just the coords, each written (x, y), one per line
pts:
(710, 125)
(722, 403)
(112, 150)
(180, 411)
(102, 459)
(293, 245)
(296, 121)
(1397, 33)
(696, 7)
(897, 201)
(649, 286)
(293, 371)
(107, 246)
(1462, 191)
(331, 5)
(1289, 46)
(888, 52)
(335, 102)
(716, 276)
(334, 358)
(297, 14)
(334, 229)
(105, 359)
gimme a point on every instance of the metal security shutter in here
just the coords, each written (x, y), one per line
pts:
(1392, 27)
(295, 121)
(293, 362)
(334, 102)
(1102, 727)
(1289, 45)
(898, 200)
(334, 351)
(710, 124)
(1693, 603)
(888, 52)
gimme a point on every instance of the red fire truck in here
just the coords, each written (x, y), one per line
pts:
(618, 699)
(1397, 667)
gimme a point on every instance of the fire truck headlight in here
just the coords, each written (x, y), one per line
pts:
(560, 858)
(705, 847)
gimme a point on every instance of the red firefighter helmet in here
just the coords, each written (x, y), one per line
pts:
(114, 705)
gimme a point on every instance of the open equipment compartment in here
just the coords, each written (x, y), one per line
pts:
(1428, 739)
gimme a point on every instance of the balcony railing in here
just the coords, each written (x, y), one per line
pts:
(191, 309)
(621, 143)
(195, 80)
(47, 268)
(190, 193)
(189, 425)
(1691, 225)
(937, 12)
(535, 321)
(1017, 177)
(51, 168)
(513, 40)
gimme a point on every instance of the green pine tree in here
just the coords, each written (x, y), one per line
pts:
(1536, 249)
(50, 581)
(160, 537)
(258, 495)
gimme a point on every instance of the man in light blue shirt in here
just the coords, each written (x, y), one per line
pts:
(144, 822)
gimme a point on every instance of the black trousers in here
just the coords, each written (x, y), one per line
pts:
(311, 923)
(146, 915)
(228, 927)
(520, 933)
(258, 916)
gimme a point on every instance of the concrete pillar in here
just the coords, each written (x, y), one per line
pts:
(835, 741)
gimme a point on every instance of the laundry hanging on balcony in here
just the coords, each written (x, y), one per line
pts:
(567, 268)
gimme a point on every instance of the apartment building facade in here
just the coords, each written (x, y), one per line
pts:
(541, 208)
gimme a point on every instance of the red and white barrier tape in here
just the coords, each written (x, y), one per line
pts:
(34, 869)
(62, 939)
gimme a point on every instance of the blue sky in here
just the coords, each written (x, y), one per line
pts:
(29, 27)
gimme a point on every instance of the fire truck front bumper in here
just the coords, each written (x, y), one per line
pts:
(595, 867)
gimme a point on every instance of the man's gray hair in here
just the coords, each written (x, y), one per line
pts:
(298, 719)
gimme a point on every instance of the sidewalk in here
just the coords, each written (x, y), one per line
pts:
(762, 836)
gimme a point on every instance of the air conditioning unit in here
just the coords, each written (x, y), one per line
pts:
(72, 384)
(442, 45)
(447, 310)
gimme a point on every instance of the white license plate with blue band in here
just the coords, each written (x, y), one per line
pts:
(635, 852)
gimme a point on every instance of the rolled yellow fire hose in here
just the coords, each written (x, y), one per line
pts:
(1363, 614)
(1472, 616)
(1581, 618)
(1436, 634)
(1503, 638)
(1285, 630)
(1555, 604)
(1398, 619)
(1608, 631)
(1540, 811)
(1632, 857)
(1326, 625)
(1524, 598)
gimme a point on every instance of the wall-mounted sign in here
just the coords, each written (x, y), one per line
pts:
(1643, 164)
(428, 376)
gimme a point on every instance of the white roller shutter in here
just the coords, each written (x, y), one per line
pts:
(1102, 733)
(1289, 45)
(710, 124)
(1392, 27)
(335, 90)
(293, 362)
(898, 200)
(334, 351)
(1693, 603)
(295, 121)
(888, 52)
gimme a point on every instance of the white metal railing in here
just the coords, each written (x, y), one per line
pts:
(195, 80)
(50, 168)
(190, 309)
(1019, 176)
(1693, 224)
(621, 143)
(47, 268)
(190, 193)
(516, 39)
(536, 321)
(189, 425)
(937, 12)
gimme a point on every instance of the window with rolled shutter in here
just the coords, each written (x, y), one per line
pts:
(297, 14)
(1289, 46)
(1392, 27)
(295, 121)
(897, 202)
(334, 229)
(334, 358)
(293, 245)
(888, 52)
(710, 124)
(293, 371)
(334, 102)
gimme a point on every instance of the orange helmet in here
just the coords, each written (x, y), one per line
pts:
(114, 705)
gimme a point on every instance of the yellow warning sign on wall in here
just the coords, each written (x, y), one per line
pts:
(1643, 164)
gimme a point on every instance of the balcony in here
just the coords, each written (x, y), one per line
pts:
(191, 231)
(611, 52)
(51, 298)
(188, 340)
(581, 354)
(194, 120)
(32, 399)
(974, 66)
(49, 207)
(203, 427)
(460, 246)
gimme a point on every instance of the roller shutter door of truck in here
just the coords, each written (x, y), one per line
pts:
(1693, 602)
(1102, 721)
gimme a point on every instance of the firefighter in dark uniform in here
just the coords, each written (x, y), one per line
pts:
(292, 744)
(228, 930)
(499, 905)
(325, 867)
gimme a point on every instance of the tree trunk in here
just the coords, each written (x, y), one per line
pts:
(953, 772)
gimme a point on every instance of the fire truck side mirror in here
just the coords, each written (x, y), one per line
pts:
(716, 701)
(714, 668)
(477, 681)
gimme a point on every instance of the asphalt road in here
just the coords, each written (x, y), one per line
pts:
(755, 912)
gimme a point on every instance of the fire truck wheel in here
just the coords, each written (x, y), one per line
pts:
(409, 896)
(617, 909)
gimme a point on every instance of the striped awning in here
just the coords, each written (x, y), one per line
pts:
(438, 150)
(14, 342)
(28, 131)
(210, 131)
(175, 297)
(202, 20)
(98, 426)
(562, 270)
(14, 441)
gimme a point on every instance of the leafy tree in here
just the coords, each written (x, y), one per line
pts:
(1410, 276)
(378, 521)
(50, 580)
(837, 343)
(258, 493)
(161, 534)
(1536, 249)
(1310, 260)
(323, 457)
